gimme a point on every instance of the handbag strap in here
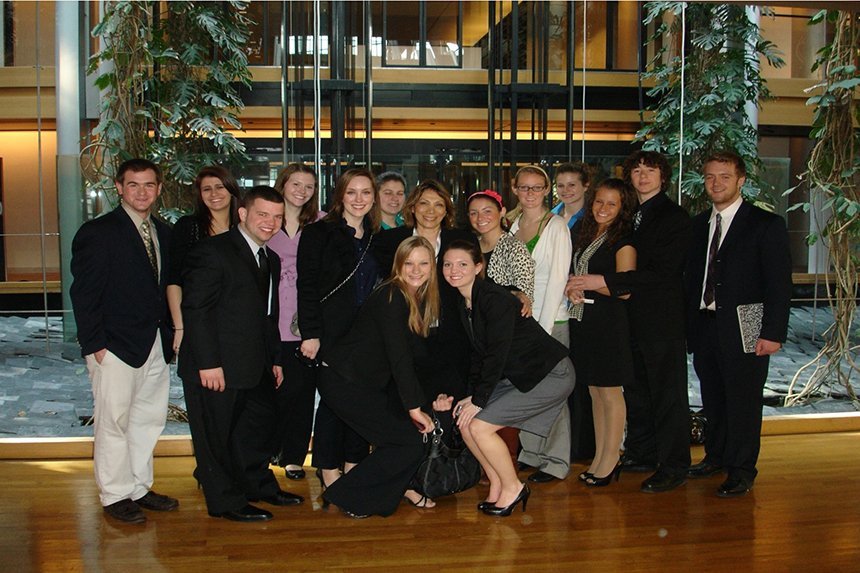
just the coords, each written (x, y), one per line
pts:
(346, 280)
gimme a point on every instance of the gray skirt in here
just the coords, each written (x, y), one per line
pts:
(534, 411)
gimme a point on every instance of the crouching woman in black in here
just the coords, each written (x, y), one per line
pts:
(369, 381)
(520, 376)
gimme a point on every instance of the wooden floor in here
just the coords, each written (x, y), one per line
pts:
(804, 514)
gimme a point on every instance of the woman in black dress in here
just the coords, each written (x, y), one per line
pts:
(369, 380)
(520, 375)
(216, 211)
(600, 336)
(336, 273)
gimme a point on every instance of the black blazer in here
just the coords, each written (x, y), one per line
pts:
(753, 265)
(225, 313)
(386, 243)
(379, 348)
(656, 304)
(117, 302)
(325, 258)
(186, 233)
(504, 343)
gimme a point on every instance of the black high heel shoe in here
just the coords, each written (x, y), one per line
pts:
(506, 511)
(485, 505)
(595, 481)
(325, 503)
(585, 476)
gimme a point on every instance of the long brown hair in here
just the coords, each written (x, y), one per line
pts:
(622, 224)
(335, 212)
(424, 306)
(308, 214)
(201, 211)
(415, 196)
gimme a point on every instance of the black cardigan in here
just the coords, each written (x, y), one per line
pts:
(325, 258)
(504, 343)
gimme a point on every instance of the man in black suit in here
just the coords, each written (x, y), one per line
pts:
(229, 360)
(739, 266)
(118, 295)
(658, 418)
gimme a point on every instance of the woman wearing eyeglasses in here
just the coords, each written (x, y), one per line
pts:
(548, 240)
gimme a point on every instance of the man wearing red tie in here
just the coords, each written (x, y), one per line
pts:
(738, 285)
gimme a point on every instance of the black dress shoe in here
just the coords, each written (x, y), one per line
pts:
(734, 487)
(636, 466)
(245, 513)
(703, 469)
(295, 474)
(506, 511)
(352, 515)
(662, 481)
(126, 511)
(541, 476)
(157, 502)
(282, 498)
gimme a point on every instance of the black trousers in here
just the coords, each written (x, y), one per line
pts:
(229, 431)
(295, 408)
(581, 418)
(377, 484)
(732, 385)
(335, 442)
(658, 405)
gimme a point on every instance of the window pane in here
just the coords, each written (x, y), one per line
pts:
(18, 31)
(442, 33)
(402, 33)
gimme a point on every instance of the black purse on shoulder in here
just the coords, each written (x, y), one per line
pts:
(447, 468)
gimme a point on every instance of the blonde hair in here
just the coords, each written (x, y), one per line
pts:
(534, 170)
(424, 305)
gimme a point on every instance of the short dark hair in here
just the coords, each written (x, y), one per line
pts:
(137, 165)
(728, 157)
(649, 159)
(578, 168)
(264, 192)
(390, 176)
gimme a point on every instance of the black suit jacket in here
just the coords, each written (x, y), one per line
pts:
(505, 344)
(117, 302)
(325, 258)
(656, 304)
(379, 348)
(225, 313)
(753, 265)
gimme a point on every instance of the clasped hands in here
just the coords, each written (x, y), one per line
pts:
(464, 411)
(578, 284)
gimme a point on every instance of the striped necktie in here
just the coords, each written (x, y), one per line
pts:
(146, 233)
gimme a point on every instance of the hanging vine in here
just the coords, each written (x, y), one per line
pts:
(722, 75)
(833, 179)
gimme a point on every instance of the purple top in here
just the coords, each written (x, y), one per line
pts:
(287, 248)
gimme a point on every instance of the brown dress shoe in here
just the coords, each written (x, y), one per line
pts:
(126, 511)
(157, 502)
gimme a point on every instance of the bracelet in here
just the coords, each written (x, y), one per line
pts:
(477, 408)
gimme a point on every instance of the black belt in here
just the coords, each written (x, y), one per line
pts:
(708, 313)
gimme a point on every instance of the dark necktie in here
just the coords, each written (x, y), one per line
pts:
(146, 233)
(263, 277)
(710, 289)
(637, 219)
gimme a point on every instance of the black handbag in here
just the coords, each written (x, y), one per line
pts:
(698, 426)
(446, 469)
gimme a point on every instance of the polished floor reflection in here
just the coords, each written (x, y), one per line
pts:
(803, 513)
